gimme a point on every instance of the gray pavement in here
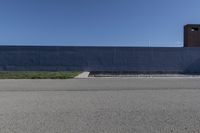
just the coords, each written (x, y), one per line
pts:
(99, 84)
(100, 105)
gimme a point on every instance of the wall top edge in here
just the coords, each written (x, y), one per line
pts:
(88, 46)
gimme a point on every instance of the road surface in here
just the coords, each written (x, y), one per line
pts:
(100, 105)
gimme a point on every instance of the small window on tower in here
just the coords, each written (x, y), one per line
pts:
(194, 29)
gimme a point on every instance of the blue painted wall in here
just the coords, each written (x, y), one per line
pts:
(137, 59)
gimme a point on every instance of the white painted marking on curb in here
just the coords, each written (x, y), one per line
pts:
(83, 75)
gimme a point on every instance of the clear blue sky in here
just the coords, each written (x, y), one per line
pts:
(96, 22)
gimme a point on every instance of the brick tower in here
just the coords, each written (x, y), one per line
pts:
(192, 35)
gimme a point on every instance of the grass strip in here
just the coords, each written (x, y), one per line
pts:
(38, 75)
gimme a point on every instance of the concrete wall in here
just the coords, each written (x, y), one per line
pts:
(137, 59)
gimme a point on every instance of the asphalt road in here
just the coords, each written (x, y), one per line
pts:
(112, 105)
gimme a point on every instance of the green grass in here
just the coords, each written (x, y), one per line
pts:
(38, 75)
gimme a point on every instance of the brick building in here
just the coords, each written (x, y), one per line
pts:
(192, 35)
